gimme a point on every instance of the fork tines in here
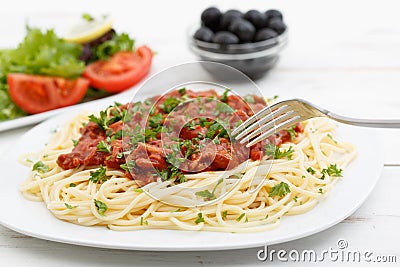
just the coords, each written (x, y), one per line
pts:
(264, 123)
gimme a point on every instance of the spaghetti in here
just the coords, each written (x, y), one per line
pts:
(249, 195)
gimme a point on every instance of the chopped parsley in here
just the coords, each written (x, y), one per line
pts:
(68, 206)
(182, 91)
(169, 104)
(176, 210)
(249, 99)
(101, 207)
(99, 175)
(128, 166)
(224, 214)
(320, 191)
(143, 222)
(102, 122)
(104, 147)
(240, 217)
(156, 120)
(222, 108)
(72, 185)
(332, 170)
(272, 150)
(40, 167)
(207, 195)
(292, 132)
(224, 96)
(138, 190)
(280, 190)
(311, 170)
(199, 218)
(172, 173)
(75, 142)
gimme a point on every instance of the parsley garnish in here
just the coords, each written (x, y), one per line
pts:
(222, 108)
(143, 222)
(169, 104)
(128, 166)
(69, 206)
(279, 190)
(75, 142)
(190, 148)
(224, 96)
(332, 170)
(292, 132)
(272, 150)
(98, 175)
(199, 218)
(103, 122)
(101, 207)
(172, 173)
(104, 147)
(311, 170)
(155, 121)
(320, 191)
(40, 167)
(224, 214)
(240, 217)
(207, 195)
(138, 190)
(249, 99)
(72, 185)
(182, 91)
(176, 210)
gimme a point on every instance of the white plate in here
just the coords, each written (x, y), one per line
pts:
(35, 118)
(33, 219)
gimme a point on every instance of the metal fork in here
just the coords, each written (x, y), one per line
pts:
(286, 113)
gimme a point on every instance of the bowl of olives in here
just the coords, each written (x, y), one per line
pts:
(248, 41)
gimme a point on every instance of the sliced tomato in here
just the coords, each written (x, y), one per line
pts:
(35, 93)
(123, 70)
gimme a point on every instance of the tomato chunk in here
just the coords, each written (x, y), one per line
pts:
(123, 70)
(36, 94)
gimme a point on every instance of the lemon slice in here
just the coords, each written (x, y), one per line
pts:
(88, 31)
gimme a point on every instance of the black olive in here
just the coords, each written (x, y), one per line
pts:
(105, 37)
(243, 29)
(228, 17)
(273, 13)
(86, 53)
(204, 34)
(211, 17)
(277, 25)
(225, 37)
(264, 34)
(257, 18)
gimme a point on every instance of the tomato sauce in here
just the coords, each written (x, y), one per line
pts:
(180, 132)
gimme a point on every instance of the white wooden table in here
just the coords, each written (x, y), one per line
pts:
(342, 55)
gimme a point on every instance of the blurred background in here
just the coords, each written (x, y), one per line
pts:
(335, 47)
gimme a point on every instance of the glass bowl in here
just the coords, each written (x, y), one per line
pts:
(253, 59)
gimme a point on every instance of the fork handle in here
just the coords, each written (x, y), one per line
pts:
(366, 122)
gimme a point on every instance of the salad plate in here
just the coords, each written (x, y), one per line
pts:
(36, 118)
